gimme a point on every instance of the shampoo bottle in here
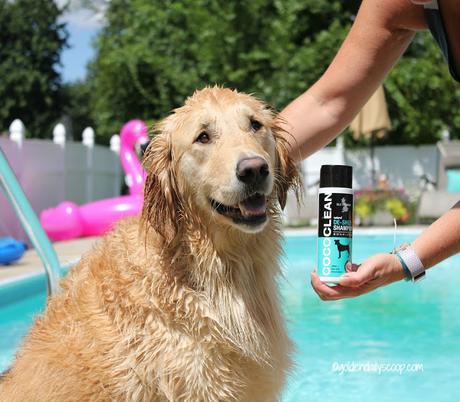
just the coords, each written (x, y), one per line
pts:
(335, 222)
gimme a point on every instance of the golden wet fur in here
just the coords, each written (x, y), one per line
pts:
(180, 304)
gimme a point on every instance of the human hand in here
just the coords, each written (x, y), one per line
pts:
(378, 270)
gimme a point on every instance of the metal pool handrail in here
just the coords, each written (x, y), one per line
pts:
(31, 224)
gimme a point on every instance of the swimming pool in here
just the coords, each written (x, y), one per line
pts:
(401, 323)
(417, 325)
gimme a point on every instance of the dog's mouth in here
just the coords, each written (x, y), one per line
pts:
(250, 211)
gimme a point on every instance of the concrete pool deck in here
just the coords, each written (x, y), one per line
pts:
(69, 252)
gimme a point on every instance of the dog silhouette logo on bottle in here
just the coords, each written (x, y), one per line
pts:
(335, 219)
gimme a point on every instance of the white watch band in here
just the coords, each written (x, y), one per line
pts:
(413, 263)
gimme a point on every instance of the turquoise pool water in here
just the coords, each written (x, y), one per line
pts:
(400, 324)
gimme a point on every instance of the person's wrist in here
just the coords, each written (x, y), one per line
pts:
(402, 268)
(410, 261)
(420, 251)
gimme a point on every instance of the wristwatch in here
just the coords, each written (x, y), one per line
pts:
(410, 262)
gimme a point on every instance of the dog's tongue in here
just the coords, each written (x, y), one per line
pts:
(254, 205)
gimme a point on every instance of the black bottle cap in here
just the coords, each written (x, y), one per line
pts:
(336, 176)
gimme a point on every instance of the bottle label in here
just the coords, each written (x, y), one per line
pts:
(335, 229)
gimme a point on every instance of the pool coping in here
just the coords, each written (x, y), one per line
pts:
(30, 265)
(13, 279)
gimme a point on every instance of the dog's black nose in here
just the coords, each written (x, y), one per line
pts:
(252, 170)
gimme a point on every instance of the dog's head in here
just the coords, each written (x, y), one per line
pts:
(222, 157)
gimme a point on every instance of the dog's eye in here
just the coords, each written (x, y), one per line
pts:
(203, 138)
(255, 125)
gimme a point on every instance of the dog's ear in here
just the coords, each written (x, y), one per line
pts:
(288, 175)
(162, 204)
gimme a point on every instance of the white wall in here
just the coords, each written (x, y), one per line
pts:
(403, 165)
(50, 174)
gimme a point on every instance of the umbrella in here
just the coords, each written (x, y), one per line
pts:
(372, 122)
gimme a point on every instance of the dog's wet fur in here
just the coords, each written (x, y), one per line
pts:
(180, 304)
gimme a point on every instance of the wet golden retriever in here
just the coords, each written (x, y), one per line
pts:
(182, 303)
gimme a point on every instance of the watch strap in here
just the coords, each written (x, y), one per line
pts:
(406, 270)
(410, 261)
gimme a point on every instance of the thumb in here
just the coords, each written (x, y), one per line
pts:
(364, 274)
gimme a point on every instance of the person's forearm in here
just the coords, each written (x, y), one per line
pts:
(312, 122)
(320, 114)
(310, 125)
(380, 34)
(440, 240)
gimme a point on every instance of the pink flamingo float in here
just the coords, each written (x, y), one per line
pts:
(68, 220)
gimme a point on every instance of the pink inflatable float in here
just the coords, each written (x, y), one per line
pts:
(135, 131)
(68, 220)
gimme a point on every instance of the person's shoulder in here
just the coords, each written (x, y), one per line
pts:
(397, 14)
